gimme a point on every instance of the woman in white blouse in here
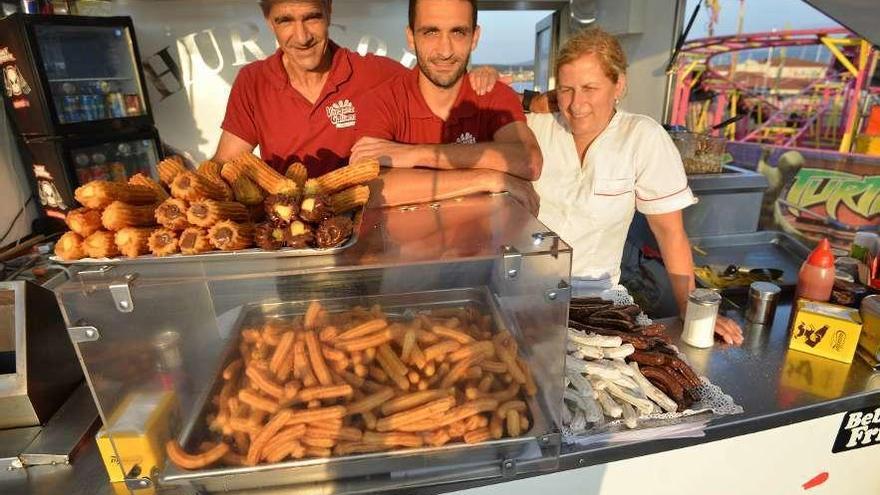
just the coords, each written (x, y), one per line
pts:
(601, 164)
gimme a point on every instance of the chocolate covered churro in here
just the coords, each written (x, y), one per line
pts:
(333, 232)
(315, 209)
(269, 236)
(230, 236)
(299, 235)
(194, 240)
(193, 187)
(163, 242)
(281, 208)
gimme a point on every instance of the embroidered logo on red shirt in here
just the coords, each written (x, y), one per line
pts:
(466, 138)
(342, 114)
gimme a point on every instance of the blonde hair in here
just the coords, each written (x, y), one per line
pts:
(597, 42)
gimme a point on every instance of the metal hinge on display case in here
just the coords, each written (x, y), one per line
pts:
(83, 334)
(512, 259)
(539, 238)
(562, 293)
(120, 290)
(134, 481)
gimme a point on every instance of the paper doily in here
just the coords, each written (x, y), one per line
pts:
(713, 401)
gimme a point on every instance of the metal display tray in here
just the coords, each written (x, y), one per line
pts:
(763, 249)
(251, 253)
(496, 455)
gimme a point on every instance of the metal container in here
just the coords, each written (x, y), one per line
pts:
(763, 298)
(699, 318)
(734, 190)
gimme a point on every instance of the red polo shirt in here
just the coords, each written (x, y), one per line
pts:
(265, 110)
(397, 111)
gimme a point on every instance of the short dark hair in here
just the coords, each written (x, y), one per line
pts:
(412, 13)
(266, 5)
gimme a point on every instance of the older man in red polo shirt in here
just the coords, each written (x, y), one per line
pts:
(298, 104)
(438, 137)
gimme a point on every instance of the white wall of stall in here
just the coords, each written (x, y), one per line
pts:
(791, 459)
(14, 188)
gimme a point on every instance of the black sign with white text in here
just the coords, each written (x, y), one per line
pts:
(858, 429)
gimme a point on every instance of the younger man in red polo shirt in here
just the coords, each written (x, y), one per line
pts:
(298, 104)
(436, 135)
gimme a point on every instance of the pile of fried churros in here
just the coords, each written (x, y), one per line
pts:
(334, 384)
(238, 205)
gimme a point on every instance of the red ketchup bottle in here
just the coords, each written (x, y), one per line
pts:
(816, 277)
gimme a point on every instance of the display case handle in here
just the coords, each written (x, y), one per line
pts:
(98, 271)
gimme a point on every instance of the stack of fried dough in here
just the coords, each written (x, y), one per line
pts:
(334, 384)
(215, 208)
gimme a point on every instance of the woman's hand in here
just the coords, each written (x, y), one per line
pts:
(728, 330)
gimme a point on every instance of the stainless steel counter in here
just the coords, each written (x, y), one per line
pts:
(754, 375)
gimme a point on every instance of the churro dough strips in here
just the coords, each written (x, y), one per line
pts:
(326, 384)
(119, 215)
(140, 179)
(211, 171)
(133, 241)
(163, 242)
(70, 247)
(343, 178)
(349, 199)
(194, 187)
(264, 175)
(208, 212)
(101, 244)
(100, 193)
(230, 236)
(171, 214)
(84, 221)
(169, 168)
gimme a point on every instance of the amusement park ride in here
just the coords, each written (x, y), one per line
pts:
(825, 113)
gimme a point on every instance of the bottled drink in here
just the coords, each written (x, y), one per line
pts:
(816, 277)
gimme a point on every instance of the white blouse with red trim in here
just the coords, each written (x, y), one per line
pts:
(632, 165)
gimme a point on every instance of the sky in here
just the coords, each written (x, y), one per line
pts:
(508, 36)
(504, 33)
(760, 15)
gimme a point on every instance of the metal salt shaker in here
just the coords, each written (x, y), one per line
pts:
(763, 297)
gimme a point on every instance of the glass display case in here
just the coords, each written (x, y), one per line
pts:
(157, 340)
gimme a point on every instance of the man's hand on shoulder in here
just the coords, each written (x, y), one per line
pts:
(389, 153)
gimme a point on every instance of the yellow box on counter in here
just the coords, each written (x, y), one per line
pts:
(140, 426)
(869, 341)
(826, 330)
(813, 374)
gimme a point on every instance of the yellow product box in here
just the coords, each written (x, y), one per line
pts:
(826, 330)
(869, 341)
(139, 428)
(813, 374)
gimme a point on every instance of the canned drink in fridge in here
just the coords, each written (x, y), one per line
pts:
(132, 105)
(70, 109)
(87, 108)
(116, 105)
(100, 107)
